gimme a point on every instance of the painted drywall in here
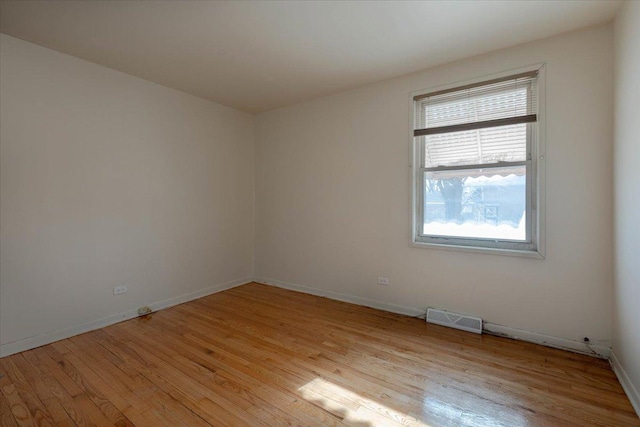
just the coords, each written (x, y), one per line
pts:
(626, 300)
(108, 180)
(333, 189)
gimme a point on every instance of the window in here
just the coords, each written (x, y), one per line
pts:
(477, 157)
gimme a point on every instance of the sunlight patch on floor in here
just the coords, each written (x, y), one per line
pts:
(459, 417)
(354, 408)
(358, 410)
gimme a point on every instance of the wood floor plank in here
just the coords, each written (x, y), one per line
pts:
(245, 390)
(481, 361)
(134, 363)
(446, 337)
(110, 402)
(18, 408)
(380, 375)
(50, 372)
(52, 405)
(256, 355)
(41, 417)
(6, 415)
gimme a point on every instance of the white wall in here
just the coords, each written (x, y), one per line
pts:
(332, 198)
(105, 180)
(626, 302)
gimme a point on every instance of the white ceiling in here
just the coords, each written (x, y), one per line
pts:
(259, 55)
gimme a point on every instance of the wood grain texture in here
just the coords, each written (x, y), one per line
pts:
(262, 356)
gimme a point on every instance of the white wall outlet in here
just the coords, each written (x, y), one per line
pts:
(120, 290)
(383, 280)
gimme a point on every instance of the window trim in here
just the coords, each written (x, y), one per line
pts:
(535, 179)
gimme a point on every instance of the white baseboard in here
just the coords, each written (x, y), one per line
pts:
(519, 334)
(393, 308)
(491, 328)
(47, 338)
(625, 381)
(600, 351)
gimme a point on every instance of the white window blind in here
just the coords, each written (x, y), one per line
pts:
(477, 147)
(476, 125)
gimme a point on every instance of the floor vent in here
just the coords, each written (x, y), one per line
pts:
(455, 320)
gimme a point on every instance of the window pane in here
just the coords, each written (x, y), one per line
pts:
(476, 203)
(474, 147)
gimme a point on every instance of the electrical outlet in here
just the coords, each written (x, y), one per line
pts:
(383, 280)
(120, 290)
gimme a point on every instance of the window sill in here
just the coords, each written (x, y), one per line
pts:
(489, 251)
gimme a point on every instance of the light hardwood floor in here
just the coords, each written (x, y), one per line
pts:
(257, 355)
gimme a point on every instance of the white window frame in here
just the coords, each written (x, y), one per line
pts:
(535, 184)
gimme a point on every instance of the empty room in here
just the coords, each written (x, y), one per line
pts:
(319, 213)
